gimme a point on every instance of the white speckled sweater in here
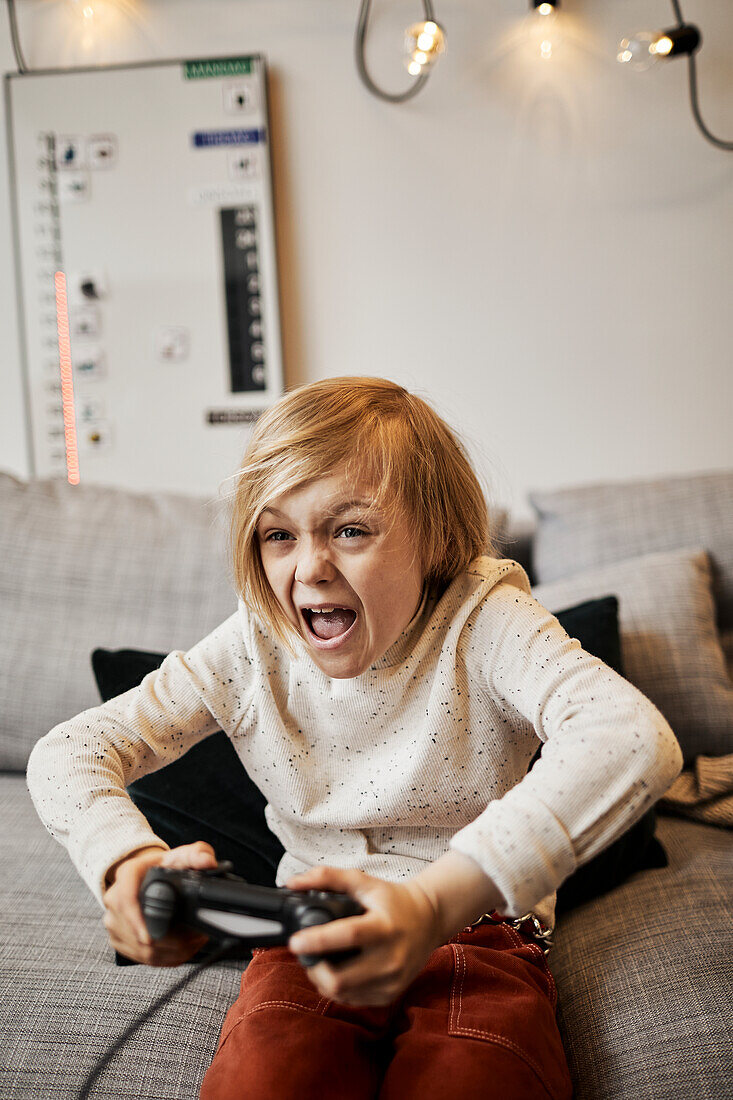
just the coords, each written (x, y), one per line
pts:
(427, 750)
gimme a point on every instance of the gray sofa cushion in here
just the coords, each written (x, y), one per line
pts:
(645, 979)
(83, 567)
(670, 646)
(587, 526)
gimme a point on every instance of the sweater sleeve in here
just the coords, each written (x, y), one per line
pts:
(608, 754)
(77, 773)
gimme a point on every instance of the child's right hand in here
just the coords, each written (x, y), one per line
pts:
(123, 918)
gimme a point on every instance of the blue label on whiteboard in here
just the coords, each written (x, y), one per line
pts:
(205, 138)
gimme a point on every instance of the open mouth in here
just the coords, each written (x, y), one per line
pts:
(328, 626)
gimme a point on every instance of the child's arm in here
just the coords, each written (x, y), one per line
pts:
(78, 773)
(608, 753)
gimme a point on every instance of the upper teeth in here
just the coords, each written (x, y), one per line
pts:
(321, 610)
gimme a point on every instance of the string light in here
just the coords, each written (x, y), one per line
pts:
(545, 26)
(424, 42)
(644, 48)
(647, 47)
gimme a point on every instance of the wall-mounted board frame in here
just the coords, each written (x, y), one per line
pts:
(146, 266)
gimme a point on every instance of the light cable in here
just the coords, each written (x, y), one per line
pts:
(12, 16)
(692, 72)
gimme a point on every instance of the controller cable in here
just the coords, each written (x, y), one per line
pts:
(221, 950)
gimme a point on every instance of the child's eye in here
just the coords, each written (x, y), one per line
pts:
(277, 536)
(350, 532)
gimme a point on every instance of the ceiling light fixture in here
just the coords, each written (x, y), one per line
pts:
(424, 43)
(645, 48)
(545, 28)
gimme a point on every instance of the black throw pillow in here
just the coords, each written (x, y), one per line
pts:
(595, 624)
(207, 795)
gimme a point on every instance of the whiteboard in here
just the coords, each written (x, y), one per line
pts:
(146, 267)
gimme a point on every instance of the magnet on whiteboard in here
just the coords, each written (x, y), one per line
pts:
(90, 409)
(255, 330)
(74, 187)
(88, 286)
(172, 343)
(258, 375)
(85, 323)
(239, 96)
(89, 365)
(70, 151)
(102, 151)
(95, 436)
(257, 351)
(243, 164)
(245, 216)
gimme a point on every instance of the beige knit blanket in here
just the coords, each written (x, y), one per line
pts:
(704, 791)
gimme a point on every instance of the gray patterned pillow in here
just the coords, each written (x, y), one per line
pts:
(588, 526)
(83, 567)
(670, 646)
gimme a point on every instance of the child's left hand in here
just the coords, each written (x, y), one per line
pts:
(395, 936)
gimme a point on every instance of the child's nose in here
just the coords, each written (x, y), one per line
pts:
(314, 564)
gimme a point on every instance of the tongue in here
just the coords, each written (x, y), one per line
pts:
(333, 623)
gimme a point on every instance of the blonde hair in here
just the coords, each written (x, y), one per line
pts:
(368, 429)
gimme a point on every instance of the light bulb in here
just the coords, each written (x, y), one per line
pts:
(424, 42)
(544, 30)
(662, 46)
(647, 47)
(638, 52)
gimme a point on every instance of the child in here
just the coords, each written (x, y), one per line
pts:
(383, 682)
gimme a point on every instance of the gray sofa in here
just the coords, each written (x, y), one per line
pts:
(643, 972)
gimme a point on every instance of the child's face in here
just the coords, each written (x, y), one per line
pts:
(321, 547)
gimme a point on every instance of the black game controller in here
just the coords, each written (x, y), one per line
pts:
(226, 907)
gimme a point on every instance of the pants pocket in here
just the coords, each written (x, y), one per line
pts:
(504, 995)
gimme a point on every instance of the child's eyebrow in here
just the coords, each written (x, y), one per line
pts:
(336, 510)
(348, 505)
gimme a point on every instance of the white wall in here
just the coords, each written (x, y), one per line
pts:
(544, 249)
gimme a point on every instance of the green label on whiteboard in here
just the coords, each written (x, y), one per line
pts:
(217, 67)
